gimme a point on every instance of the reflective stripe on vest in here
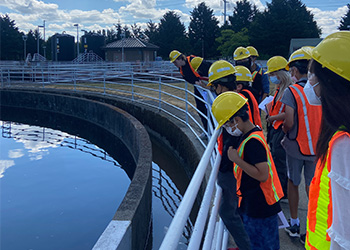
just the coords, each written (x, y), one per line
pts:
(277, 108)
(307, 121)
(255, 112)
(271, 188)
(319, 217)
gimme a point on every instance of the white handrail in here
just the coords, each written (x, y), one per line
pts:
(173, 235)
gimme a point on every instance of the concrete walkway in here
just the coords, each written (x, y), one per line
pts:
(286, 242)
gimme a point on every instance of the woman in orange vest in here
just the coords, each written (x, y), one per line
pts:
(328, 216)
(258, 186)
(277, 69)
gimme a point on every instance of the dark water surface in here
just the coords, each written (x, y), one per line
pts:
(60, 191)
(55, 189)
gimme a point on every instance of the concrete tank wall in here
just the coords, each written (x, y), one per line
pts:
(129, 228)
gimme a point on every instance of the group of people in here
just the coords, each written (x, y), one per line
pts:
(308, 122)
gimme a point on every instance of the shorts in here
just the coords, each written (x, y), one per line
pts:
(295, 167)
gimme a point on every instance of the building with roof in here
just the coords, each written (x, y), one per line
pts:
(297, 43)
(130, 50)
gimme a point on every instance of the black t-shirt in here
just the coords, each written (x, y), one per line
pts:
(228, 140)
(257, 86)
(203, 69)
(188, 74)
(253, 199)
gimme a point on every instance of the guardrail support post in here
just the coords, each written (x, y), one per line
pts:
(160, 93)
(132, 86)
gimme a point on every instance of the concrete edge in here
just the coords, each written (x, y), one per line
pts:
(136, 205)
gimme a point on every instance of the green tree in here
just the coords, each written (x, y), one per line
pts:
(151, 32)
(11, 43)
(171, 35)
(283, 20)
(118, 27)
(203, 30)
(126, 31)
(136, 31)
(243, 15)
(345, 20)
(230, 40)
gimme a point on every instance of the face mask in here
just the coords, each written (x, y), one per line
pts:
(233, 131)
(311, 96)
(274, 80)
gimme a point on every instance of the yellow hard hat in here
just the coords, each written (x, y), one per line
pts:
(220, 69)
(240, 54)
(334, 53)
(300, 54)
(276, 63)
(243, 74)
(252, 51)
(226, 105)
(196, 62)
(174, 55)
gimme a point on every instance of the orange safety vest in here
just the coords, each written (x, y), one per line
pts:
(277, 108)
(254, 110)
(320, 209)
(189, 63)
(309, 121)
(271, 188)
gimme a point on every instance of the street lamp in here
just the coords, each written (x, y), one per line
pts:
(24, 37)
(77, 25)
(84, 42)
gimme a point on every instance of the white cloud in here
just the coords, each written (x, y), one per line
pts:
(328, 20)
(5, 164)
(15, 153)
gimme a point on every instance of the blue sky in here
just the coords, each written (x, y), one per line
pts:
(61, 15)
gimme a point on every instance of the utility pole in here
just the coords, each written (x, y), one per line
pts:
(225, 2)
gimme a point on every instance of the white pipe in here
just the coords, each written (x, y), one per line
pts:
(173, 235)
(201, 220)
(211, 225)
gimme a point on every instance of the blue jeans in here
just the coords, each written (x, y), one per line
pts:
(263, 232)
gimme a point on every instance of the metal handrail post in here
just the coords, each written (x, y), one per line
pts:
(8, 77)
(173, 235)
(132, 86)
(104, 82)
(224, 240)
(198, 229)
(42, 77)
(160, 93)
(212, 220)
(219, 235)
(75, 79)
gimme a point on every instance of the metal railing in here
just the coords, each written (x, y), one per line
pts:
(157, 86)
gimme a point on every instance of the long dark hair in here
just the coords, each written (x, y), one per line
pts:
(335, 97)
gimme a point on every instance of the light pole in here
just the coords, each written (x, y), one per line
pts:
(77, 25)
(85, 42)
(40, 26)
(24, 37)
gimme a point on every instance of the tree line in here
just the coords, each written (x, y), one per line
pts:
(270, 31)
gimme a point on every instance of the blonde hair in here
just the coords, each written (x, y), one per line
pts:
(285, 79)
